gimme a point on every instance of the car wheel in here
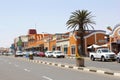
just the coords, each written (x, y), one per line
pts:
(103, 59)
(92, 58)
(118, 60)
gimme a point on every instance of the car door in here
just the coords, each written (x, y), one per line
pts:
(99, 54)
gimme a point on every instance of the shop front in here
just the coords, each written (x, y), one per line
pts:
(115, 39)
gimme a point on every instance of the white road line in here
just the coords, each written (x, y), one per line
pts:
(16, 65)
(10, 63)
(45, 77)
(26, 70)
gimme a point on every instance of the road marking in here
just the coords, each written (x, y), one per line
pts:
(16, 65)
(26, 70)
(10, 63)
(45, 77)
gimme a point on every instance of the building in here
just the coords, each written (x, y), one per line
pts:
(91, 37)
(114, 39)
(68, 42)
(21, 41)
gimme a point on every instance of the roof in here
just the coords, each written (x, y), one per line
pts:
(94, 32)
(115, 28)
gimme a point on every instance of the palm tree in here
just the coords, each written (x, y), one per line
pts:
(80, 20)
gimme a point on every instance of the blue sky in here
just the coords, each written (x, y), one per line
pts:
(17, 16)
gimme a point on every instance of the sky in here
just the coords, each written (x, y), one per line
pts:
(50, 16)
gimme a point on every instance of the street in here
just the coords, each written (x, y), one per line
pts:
(15, 69)
(110, 65)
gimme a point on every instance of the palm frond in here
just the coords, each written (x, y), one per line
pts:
(80, 19)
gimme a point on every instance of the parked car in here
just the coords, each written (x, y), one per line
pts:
(18, 53)
(41, 54)
(26, 53)
(5, 53)
(118, 57)
(58, 54)
(0, 53)
(103, 54)
(8, 53)
(48, 53)
(35, 53)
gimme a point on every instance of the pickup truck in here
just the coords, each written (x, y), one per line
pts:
(102, 54)
(118, 57)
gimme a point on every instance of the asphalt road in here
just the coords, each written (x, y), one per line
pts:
(109, 65)
(15, 69)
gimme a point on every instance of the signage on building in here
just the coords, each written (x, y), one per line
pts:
(102, 41)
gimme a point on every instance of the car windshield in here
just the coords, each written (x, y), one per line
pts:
(19, 52)
(58, 52)
(49, 52)
(105, 50)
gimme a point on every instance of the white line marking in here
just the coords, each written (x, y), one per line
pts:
(16, 65)
(26, 70)
(45, 77)
(10, 63)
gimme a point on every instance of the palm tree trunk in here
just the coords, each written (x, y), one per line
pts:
(82, 46)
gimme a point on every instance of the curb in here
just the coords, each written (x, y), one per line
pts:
(73, 67)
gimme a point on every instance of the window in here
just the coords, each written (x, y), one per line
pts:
(73, 49)
(65, 49)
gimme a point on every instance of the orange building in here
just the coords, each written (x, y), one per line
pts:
(91, 37)
(69, 42)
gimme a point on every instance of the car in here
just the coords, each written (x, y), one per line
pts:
(41, 54)
(48, 53)
(118, 57)
(102, 54)
(26, 53)
(19, 53)
(57, 54)
(35, 53)
(8, 53)
(0, 53)
(5, 53)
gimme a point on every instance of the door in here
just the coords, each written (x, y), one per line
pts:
(72, 49)
(65, 49)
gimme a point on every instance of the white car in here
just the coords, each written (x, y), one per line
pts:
(48, 53)
(19, 53)
(58, 54)
(118, 57)
(103, 54)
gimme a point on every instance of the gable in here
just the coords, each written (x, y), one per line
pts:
(116, 31)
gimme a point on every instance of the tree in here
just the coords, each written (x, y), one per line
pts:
(109, 28)
(80, 20)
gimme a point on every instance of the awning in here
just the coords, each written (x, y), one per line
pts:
(94, 46)
(104, 45)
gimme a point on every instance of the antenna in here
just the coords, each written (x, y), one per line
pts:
(35, 26)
